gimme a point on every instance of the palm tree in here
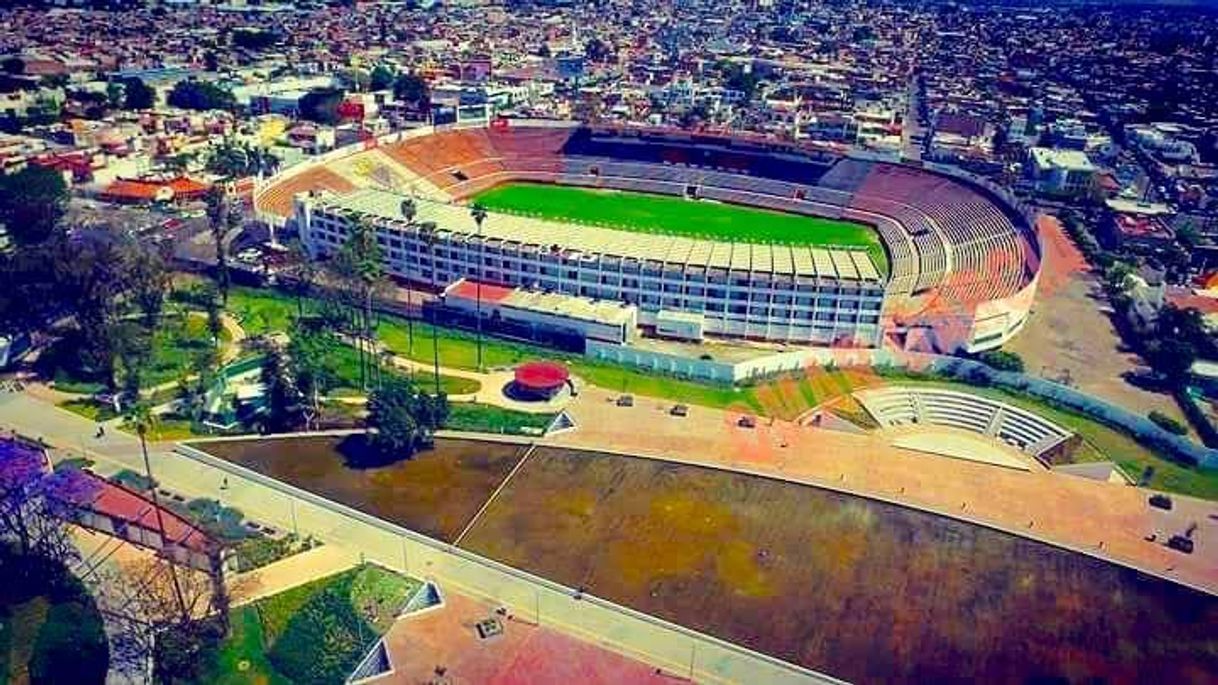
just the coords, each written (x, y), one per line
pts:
(365, 262)
(221, 218)
(478, 212)
(304, 274)
(409, 212)
(140, 414)
(427, 230)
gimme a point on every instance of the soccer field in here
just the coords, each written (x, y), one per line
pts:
(676, 216)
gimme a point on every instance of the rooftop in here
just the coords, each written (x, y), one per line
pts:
(1071, 160)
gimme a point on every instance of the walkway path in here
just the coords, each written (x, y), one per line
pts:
(229, 352)
(293, 571)
(491, 384)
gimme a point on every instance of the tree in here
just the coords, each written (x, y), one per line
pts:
(428, 231)
(412, 90)
(284, 405)
(191, 395)
(409, 211)
(1171, 357)
(137, 94)
(402, 419)
(133, 347)
(382, 77)
(320, 105)
(236, 160)
(168, 615)
(116, 95)
(1003, 360)
(361, 264)
(254, 39)
(140, 415)
(213, 309)
(33, 202)
(36, 503)
(596, 50)
(201, 95)
(303, 274)
(222, 217)
(308, 358)
(478, 212)
(1167, 423)
(149, 280)
(736, 78)
(90, 275)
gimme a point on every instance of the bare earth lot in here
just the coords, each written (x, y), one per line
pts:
(436, 493)
(862, 590)
(1069, 336)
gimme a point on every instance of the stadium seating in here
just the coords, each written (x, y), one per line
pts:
(278, 198)
(903, 406)
(952, 244)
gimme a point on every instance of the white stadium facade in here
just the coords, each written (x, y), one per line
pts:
(964, 259)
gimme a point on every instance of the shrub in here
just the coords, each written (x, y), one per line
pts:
(134, 480)
(1002, 360)
(1167, 423)
(217, 520)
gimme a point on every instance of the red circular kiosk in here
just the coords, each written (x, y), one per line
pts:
(540, 380)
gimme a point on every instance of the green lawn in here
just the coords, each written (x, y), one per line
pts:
(241, 658)
(176, 342)
(261, 311)
(312, 634)
(167, 428)
(346, 366)
(675, 216)
(94, 411)
(482, 418)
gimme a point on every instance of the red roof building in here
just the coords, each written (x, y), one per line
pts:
(136, 191)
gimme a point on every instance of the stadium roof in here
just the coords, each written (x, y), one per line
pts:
(572, 240)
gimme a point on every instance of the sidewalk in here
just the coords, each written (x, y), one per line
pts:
(291, 572)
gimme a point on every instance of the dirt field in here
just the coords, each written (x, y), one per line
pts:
(1068, 336)
(436, 493)
(862, 590)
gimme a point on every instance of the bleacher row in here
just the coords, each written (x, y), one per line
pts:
(942, 235)
(964, 242)
(904, 406)
(278, 198)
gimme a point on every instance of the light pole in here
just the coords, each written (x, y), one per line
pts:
(142, 418)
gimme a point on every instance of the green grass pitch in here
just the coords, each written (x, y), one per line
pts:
(675, 216)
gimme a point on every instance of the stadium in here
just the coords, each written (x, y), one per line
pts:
(736, 237)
